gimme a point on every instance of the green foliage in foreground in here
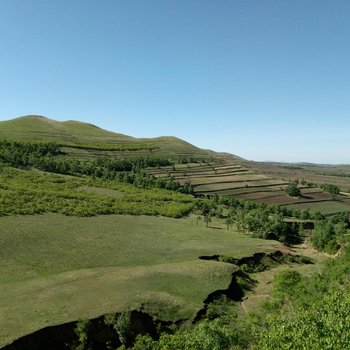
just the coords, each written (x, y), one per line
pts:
(322, 325)
(27, 192)
(312, 312)
(219, 334)
(329, 233)
(306, 313)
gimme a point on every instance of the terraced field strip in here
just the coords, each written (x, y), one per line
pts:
(260, 195)
(174, 171)
(209, 176)
(244, 184)
(229, 166)
(161, 170)
(281, 198)
(272, 189)
(228, 179)
(157, 172)
(190, 174)
(324, 207)
(316, 196)
(284, 200)
(236, 170)
(308, 190)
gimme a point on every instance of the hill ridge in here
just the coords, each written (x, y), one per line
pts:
(77, 133)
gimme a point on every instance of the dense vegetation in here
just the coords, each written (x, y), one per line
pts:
(31, 192)
(44, 156)
(329, 233)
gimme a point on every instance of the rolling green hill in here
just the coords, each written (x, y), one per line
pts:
(34, 127)
(85, 140)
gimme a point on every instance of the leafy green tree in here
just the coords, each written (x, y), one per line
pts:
(293, 190)
(207, 219)
(324, 324)
(326, 235)
(123, 328)
(333, 189)
(215, 335)
(81, 330)
(285, 282)
(229, 222)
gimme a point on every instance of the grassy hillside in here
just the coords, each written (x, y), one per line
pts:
(83, 140)
(41, 128)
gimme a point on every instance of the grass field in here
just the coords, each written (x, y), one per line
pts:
(61, 264)
(325, 207)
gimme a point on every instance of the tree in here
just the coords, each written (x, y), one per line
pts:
(322, 325)
(207, 219)
(293, 190)
(333, 189)
(229, 222)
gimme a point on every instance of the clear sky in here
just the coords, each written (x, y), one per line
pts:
(264, 79)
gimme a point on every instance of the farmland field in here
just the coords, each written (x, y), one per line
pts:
(326, 207)
(237, 180)
(317, 174)
(218, 178)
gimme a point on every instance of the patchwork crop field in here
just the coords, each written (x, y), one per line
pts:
(232, 179)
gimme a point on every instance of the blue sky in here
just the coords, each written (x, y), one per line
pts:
(266, 80)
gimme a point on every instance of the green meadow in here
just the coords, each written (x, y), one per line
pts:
(55, 268)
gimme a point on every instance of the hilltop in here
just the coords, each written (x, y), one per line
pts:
(85, 140)
(36, 127)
